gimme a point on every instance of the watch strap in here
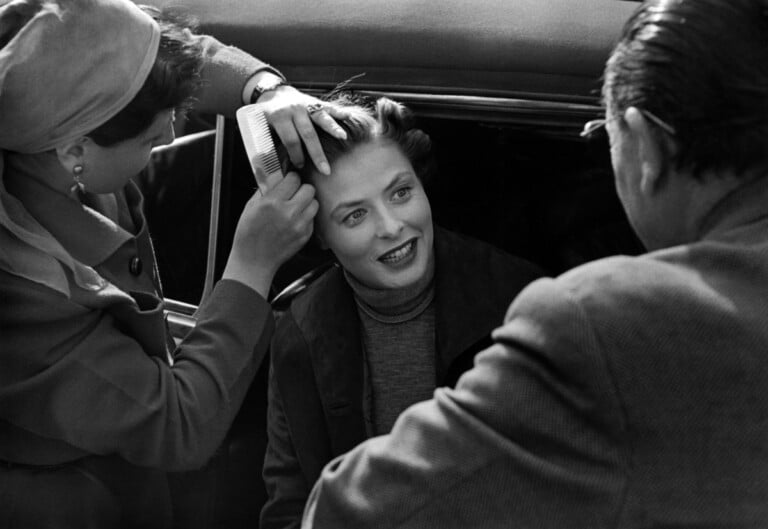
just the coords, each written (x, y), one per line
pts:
(259, 89)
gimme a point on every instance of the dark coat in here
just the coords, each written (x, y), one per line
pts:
(317, 394)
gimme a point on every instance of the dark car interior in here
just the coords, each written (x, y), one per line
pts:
(502, 87)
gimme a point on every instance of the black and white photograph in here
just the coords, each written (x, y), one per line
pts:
(403, 264)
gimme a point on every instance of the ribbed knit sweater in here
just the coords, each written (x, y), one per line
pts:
(398, 335)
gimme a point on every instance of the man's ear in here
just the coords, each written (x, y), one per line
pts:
(650, 151)
(72, 153)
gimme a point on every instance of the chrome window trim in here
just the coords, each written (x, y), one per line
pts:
(179, 318)
(179, 307)
(183, 140)
(565, 118)
(213, 225)
(499, 103)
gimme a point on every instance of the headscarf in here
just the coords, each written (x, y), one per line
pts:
(66, 67)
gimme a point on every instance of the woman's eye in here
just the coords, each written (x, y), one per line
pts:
(402, 193)
(354, 218)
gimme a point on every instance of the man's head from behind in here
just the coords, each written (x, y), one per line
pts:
(686, 91)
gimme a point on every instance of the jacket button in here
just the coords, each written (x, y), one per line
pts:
(135, 266)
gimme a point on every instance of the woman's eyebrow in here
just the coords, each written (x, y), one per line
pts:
(346, 205)
(398, 179)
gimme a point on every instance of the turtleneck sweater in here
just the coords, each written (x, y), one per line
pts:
(398, 340)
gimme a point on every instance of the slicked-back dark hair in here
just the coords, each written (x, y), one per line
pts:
(372, 119)
(702, 67)
(171, 83)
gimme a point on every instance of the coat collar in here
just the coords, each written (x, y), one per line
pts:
(743, 214)
(331, 325)
(335, 324)
(90, 233)
(458, 283)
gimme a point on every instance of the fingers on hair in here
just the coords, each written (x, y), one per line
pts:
(374, 118)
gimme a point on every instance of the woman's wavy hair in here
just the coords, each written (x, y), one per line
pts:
(171, 83)
(375, 119)
(700, 66)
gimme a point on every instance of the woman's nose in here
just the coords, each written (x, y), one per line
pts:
(389, 225)
(170, 131)
(168, 137)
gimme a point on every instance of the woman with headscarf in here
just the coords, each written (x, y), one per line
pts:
(96, 401)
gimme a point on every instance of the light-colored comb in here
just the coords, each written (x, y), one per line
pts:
(259, 146)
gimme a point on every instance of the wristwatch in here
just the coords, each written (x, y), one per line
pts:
(268, 84)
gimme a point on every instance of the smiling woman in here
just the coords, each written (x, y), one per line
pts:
(375, 216)
(405, 311)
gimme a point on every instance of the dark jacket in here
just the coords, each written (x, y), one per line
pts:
(317, 392)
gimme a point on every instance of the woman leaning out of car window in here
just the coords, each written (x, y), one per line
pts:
(404, 312)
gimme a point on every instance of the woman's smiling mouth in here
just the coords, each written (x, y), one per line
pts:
(399, 254)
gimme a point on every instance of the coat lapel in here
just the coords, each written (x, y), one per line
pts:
(337, 359)
(466, 269)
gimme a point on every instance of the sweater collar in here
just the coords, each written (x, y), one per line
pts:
(456, 284)
(330, 326)
(395, 305)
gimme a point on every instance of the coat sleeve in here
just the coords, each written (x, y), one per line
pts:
(225, 72)
(287, 488)
(73, 377)
(528, 438)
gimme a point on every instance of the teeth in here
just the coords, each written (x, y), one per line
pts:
(397, 255)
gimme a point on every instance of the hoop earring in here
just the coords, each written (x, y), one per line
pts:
(77, 171)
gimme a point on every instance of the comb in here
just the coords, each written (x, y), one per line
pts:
(254, 129)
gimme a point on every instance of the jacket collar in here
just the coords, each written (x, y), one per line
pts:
(333, 330)
(743, 214)
(457, 285)
(90, 233)
(333, 339)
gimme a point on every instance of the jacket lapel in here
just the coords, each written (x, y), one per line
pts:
(465, 269)
(337, 359)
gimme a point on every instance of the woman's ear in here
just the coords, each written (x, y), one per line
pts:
(72, 153)
(651, 153)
